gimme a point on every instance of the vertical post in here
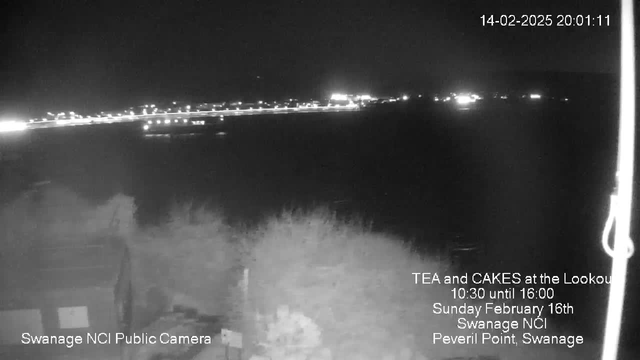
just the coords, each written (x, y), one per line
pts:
(245, 288)
(245, 303)
(624, 179)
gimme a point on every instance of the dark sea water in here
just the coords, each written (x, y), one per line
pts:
(529, 182)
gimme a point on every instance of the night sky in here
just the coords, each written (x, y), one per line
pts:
(96, 54)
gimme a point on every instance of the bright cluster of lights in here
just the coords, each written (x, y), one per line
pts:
(460, 98)
(12, 126)
(149, 111)
(337, 100)
(363, 97)
(464, 99)
(339, 97)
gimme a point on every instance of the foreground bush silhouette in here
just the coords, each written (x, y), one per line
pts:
(355, 284)
(189, 261)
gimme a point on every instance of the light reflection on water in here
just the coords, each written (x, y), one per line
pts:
(173, 136)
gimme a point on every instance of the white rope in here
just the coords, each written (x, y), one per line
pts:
(607, 232)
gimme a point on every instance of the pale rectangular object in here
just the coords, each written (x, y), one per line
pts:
(231, 338)
(245, 283)
(75, 317)
(13, 323)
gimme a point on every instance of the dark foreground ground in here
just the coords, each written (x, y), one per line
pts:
(529, 182)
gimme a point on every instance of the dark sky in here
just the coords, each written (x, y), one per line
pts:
(87, 54)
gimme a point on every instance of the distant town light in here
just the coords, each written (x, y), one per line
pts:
(12, 125)
(339, 97)
(405, 97)
(464, 99)
(535, 96)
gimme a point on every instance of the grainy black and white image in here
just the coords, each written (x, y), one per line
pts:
(318, 180)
